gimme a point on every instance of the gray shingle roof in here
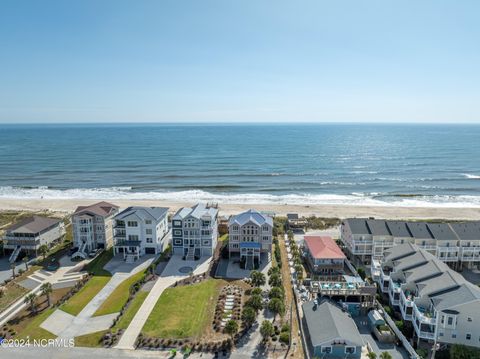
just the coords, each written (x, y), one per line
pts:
(358, 225)
(155, 213)
(251, 216)
(419, 230)
(444, 281)
(467, 230)
(398, 229)
(378, 227)
(400, 251)
(198, 211)
(32, 225)
(441, 231)
(451, 298)
(328, 322)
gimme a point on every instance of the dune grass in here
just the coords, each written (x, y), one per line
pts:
(183, 312)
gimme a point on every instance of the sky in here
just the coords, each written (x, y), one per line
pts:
(239, 61)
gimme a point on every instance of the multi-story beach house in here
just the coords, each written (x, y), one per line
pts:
(195, 231)
(323, 255)
(30, 233)
(92, 227)
(250, 236)
(457, 244)
(440, 303)
(140, 230)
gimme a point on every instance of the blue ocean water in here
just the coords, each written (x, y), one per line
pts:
(411, 165)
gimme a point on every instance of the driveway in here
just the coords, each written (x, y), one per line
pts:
(396, 351)
(6, 269)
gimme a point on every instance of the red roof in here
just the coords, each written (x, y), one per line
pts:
(323, 247)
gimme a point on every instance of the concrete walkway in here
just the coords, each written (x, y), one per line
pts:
(68, 326)
(169, 276)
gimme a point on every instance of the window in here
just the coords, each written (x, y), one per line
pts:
(266, 238)
(132, 223)
(350, 350)
(148, 221)
(326, 350)
(178, 232)
(148, 231)
(454, 335)
(177, 223)
(206, 242)
(468, 336)
(450, 321)
(132, 237)
(149, 240)
(178, 242)
(469, 319)
(440, 334)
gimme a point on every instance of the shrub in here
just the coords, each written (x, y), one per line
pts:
(285, 337)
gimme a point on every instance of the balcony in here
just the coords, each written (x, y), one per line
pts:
(13, 242)
(424, 315)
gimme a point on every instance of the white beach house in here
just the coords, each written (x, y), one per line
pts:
(140, 230)
(195, 231)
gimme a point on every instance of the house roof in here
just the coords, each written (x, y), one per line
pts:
(198, 211)
(378, 227)
(441, 231)
(292, 216)
(251, 215)
(358, 225)
(419, 230)
(155, 213)
(452, 297)
(400, 251)
(398, 229)
(467, 230)
(326, 322)
(322, 247)
(34, 224)
(103, 209)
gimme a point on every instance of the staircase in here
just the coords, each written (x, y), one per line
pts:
(81, 251)
(249, 263)
(190, 254)
(14, 255)
(130, 258)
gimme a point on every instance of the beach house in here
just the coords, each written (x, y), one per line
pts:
(330, 332)
(439, 302)
(457, 244)
(323, 255)
(30, 233)
(92, 227)
(250, 238)
(140, 230)
(195, 231)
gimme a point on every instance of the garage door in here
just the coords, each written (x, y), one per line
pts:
(150, 250)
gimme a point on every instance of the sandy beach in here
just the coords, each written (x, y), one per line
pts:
(321, 210)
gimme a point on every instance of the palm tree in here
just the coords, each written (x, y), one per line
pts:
(43, 250)
(46, 289)
(248, 316)
(25, 260)
(31, 300)
(276, 306)
(385, 355)
(231, 327)
(258, 278)
(266, 329)
(371, 355)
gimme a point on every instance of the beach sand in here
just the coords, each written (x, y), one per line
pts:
(320, 210)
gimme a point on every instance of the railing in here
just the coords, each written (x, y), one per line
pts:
(447, 249)
(423, 317)
(21, 242)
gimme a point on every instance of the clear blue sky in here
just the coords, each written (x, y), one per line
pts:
(225, 60)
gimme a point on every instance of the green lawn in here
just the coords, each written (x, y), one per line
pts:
(117, 299)
(90, 340)
(32, 328)
(93, 339)
(76, 303)
(183, 312)
(100, 278)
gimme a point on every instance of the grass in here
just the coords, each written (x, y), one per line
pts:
(183, 312)
(32, 327)
(100, 278)
(11, 294)
(76, 303)
(94, 339)
(117, 299)
(90, 340)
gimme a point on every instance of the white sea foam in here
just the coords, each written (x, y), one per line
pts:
(355, 198)
(468, 175)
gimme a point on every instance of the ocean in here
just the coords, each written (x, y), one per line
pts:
(355, 164)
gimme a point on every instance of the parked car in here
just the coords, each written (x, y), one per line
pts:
(72, 251)
(93, 253)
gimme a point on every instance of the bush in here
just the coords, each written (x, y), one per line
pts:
(285, 337)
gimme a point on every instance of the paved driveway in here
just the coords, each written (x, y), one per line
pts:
(6, 270)
(396, 351)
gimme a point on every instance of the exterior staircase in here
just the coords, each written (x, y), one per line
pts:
(249, 264)
(81, 251)
(190, 254)
(14, 255)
